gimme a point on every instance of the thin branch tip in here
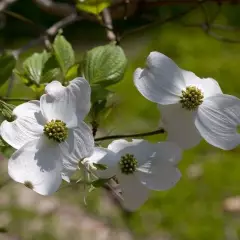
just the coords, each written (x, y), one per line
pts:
(146, 134)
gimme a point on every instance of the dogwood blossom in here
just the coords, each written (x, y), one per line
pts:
(191, 108)
(139, 166)
(50, 136)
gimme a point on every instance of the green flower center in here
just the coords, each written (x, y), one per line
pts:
(128, 164)
(56, 130)
(191, 98)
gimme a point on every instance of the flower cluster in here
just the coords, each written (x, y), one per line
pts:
(49, 136)
(52, 141)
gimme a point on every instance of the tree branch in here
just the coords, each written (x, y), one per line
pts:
(107, 19)
(55, 8)
(52, 31)
(5, 3)
(160, 21)
(156, 132)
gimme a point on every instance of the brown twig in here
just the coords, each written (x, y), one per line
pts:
(55, 8)
(107, 19)
(156, 132)
(50, 32)
(159, 22)
(177, 2)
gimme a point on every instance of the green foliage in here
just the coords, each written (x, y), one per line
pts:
(104, 65)
(7, 64)
(100, 166)
(72, 72)
(100, 104)
(206, 181)
(38, 69)
(99, 93)
(93, 6)
(6, 110)
(99, 183)
(64, 54)
(34, 65)
(52, 74)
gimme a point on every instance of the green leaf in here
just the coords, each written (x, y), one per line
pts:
(6, 110)
(36, 87)
(99, 182)
(104, 65)
(53, 74)
(7, 64)
(93, 6)
(64, 53)
(99, 93)
(50, 64)
(23, 78)
(34, 65)
(72, 72)
(100, 166)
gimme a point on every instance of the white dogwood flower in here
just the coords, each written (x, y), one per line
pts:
(191, 108)
(139, 166)
(50, 136)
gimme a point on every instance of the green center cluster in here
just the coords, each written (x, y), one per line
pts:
(56, 130)
(191, 98)
(128, 164)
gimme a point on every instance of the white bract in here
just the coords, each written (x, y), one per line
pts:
(191, 108)
(50, 136)
(139, 167)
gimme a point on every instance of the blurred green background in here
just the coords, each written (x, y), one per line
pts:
(204, 205)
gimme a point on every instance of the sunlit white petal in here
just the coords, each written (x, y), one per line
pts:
(59, 104)
(161, 81)
(27, 126)
(179, 124)
(217, 120)
(134, 193)
(55, 89)
(38, 163)
(77, 148)
(208, 86)
(80, 88)
(159, 172)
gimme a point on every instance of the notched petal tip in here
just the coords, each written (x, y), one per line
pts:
(54, 89)
(161, 81)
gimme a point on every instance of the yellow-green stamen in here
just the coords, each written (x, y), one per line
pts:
(191, 98)
(128, 164)
(56, 130)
